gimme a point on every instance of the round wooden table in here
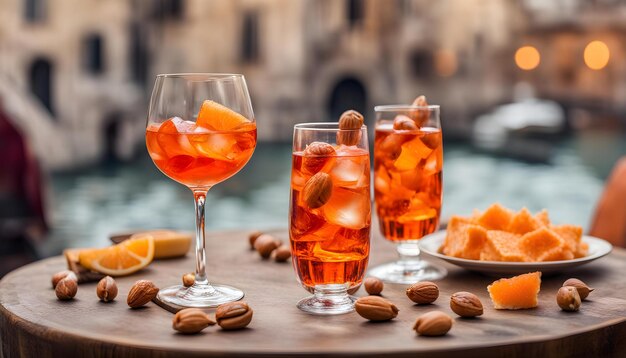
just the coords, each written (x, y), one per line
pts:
(34, 323)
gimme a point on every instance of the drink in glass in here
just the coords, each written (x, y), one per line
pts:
(330, 215)
(201, 131)
(408, 160)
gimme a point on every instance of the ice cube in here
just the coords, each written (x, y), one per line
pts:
(433, 164)
(382, 180)
(418, 210)
(346, 243)
(348, 171)
(412, 153)
(348, 208)
(216, 145)
(173, 137)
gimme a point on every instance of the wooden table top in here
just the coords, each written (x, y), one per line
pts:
(34, 322)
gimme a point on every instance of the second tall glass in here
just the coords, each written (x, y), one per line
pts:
(330, 214)
(408, 161)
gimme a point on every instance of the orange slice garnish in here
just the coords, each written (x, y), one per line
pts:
(122, 259)
(215, 116)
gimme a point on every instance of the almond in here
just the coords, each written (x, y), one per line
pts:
(466, 304)
(265, 244)
(142, 292)
(233, 315)
(373, 285)
(191, 320)
(252, 238)
(402, 122)
(350, 124)
(420, 116)
(317, 190)
(282, 253)
(581, 287)
(423, 292)
(375, 308)
(315, 157)
(435, 323)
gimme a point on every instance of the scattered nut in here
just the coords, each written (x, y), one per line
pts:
(142, 292)
(466, 304)
(315, 156)
(581, 287)
(233, 315)
(350, 124)
(568, 298)
(282, 253)
(317, 190)
(435, 323)
(423, 292)
(61, 275)
(265, 244)
(189, 279)
(191, 320)
(375, 308)
(373, 285)
(106, 289)
(66, 288)
(402, 122)
(252, 238)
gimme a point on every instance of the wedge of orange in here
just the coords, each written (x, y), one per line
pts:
(215, 116)
(122, 259)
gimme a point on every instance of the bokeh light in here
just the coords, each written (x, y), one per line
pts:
(597, 55)
(527, 58)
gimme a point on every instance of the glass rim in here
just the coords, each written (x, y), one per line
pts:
(403, 107)
(202, 75)
(323, 126)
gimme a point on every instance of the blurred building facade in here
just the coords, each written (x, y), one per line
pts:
(77, 75)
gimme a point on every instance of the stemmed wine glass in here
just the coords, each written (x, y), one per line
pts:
(200, 131)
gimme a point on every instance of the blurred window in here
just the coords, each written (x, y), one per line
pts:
(250, 38)
(422, 63)
(348, 93)
(93, 54)
(138, 56)
(169, 9)
(34, 10)
(355, 12)
(41, 82)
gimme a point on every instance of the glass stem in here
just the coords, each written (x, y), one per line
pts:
(199, 196)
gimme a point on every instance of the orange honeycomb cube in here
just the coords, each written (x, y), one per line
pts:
(519, 292)
(455, 236)
(502, 246)
(496, 217)
(523, 222)
(538, 243)
(543, 218)
(571, 234)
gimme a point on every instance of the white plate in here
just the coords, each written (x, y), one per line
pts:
(597, 248)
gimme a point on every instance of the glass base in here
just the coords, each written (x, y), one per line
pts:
(328, 300)
(204, 296)
(408, 271)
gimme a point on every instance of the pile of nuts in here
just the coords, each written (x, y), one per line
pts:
(229, 316)
(269, 247)
(571, 294)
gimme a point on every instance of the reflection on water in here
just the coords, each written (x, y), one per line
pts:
(86, 206)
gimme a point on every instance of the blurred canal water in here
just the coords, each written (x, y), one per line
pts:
(86, 206)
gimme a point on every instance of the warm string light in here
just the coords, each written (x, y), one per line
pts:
(527, 58)
(596, 55)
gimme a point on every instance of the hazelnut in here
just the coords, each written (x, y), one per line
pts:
(350, 124)
(61, 275)
(581, 287)
(315, 157)
(252, 238)
(466, 304)
(106, 289)
(376, 308)
(435, 323)
(265, 244)
(282, 253)
(142, 292)
(402, 122)
(66, 289)
(189, 279)
(373, 285)
(191, 320)
(568, 298)
(233, 315)
(423, 292)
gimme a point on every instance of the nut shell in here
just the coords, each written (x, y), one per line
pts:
(402, 122)
(66, 289)
(265, 244)
(466, 304)
(375, 308)
(568, 298)
(317, 190)
(106, 289)
(61, 275)
(191, 320)
(435, 323)
(189, 279)
(373, 285)
(282, 253)
(424, 292)
(142, 292)
(315, 157)
(581, 287)
(233, 315)
(350, 124)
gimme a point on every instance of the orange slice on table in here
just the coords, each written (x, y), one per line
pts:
(215, 116)
(122, 259)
